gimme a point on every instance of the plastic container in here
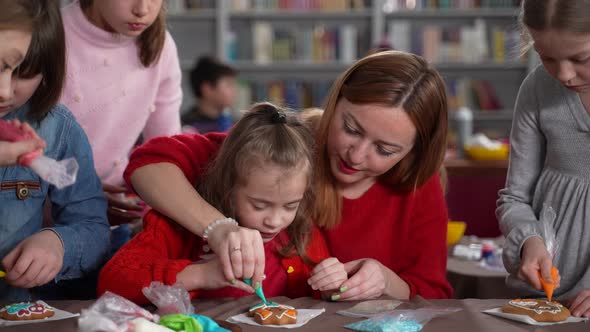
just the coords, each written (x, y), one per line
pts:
(464, 125)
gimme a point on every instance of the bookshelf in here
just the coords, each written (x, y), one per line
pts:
(284, 48)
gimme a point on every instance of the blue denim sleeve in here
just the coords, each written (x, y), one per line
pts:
(79, 211)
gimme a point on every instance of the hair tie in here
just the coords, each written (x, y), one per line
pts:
(279, 117)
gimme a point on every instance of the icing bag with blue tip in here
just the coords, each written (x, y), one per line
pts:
(258, 290)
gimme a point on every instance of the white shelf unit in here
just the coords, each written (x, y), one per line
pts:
(206, 31)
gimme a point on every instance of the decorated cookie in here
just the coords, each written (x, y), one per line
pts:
(26, 311)
(273, 314)
(539, 310)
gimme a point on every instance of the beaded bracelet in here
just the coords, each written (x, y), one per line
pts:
(210, 228)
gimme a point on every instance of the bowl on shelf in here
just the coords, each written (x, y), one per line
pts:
(455, 231)
(483, 153)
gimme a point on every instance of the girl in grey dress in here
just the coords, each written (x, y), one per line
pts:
(550, 157)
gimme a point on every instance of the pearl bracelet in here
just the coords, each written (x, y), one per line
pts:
(216, 223)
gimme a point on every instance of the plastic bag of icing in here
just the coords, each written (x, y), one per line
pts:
(547, 219)
(400, 320)
(169, 299)
(175, 308)
(59, 173)
(370, 308)
(113, 313)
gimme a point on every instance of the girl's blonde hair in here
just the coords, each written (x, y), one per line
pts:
(265, 134)
(151, 42)
(566, 15)
(395, 79)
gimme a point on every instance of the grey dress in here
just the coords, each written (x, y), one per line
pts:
(549, 165)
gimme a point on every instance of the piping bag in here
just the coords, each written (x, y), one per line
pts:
(258, 290)
(547, 218)
(58, 173)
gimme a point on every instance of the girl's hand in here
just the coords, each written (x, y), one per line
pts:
(580, 306)
(35, 261)
(535, 258)
(240, 250)
(328, 275)
(10, 151)
(207, 275)
(120, 210)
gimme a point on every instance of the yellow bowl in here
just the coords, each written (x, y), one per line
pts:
(481, 153)
(455, 231)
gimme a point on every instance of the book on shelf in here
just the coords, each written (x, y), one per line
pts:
(313, 44)
(296, 94)
(181, 6)
(456, 44)
(393, 5)
(299, 5)
(473, 94)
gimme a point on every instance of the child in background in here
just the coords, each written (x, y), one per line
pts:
(10, 151)
(36, 258)
(261, 176)
(124, 80)
(549, 157)
(214, 85)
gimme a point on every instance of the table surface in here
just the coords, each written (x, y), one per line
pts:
(470, 318)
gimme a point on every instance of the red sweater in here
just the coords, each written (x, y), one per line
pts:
(404, 231)
(415, 248)
(163, 249)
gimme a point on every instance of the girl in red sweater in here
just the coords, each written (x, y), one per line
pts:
(381, 141)
(261, 176)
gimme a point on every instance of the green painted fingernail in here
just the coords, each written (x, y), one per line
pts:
(257, 285)
(335, 297)
(234, 281)
(343, 289)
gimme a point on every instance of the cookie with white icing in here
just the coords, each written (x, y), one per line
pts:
(26, 311)
(273, 314)
(537, 309)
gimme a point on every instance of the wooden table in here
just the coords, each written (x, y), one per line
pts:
(470, 318)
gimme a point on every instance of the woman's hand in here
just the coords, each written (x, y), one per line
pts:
(35, 261)
(368, 281)
(535, 258)
(240, 250)
(371, 279)
(328, 275)
(580, 306)
(207, 275)
(121, 210)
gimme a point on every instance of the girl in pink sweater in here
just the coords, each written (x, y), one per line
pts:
(123, 80)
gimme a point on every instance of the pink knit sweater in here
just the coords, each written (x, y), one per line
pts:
(113, 96)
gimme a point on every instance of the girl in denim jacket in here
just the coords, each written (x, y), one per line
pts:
(35, 256)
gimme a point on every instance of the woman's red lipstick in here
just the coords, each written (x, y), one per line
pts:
(346, 168)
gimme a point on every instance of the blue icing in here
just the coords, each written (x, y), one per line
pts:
(15, 308)
(386, 324)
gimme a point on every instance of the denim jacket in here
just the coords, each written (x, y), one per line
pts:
(78, 211)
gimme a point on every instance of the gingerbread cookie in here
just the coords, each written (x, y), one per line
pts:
(273, 314)
(539, 310)
(26, 311)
